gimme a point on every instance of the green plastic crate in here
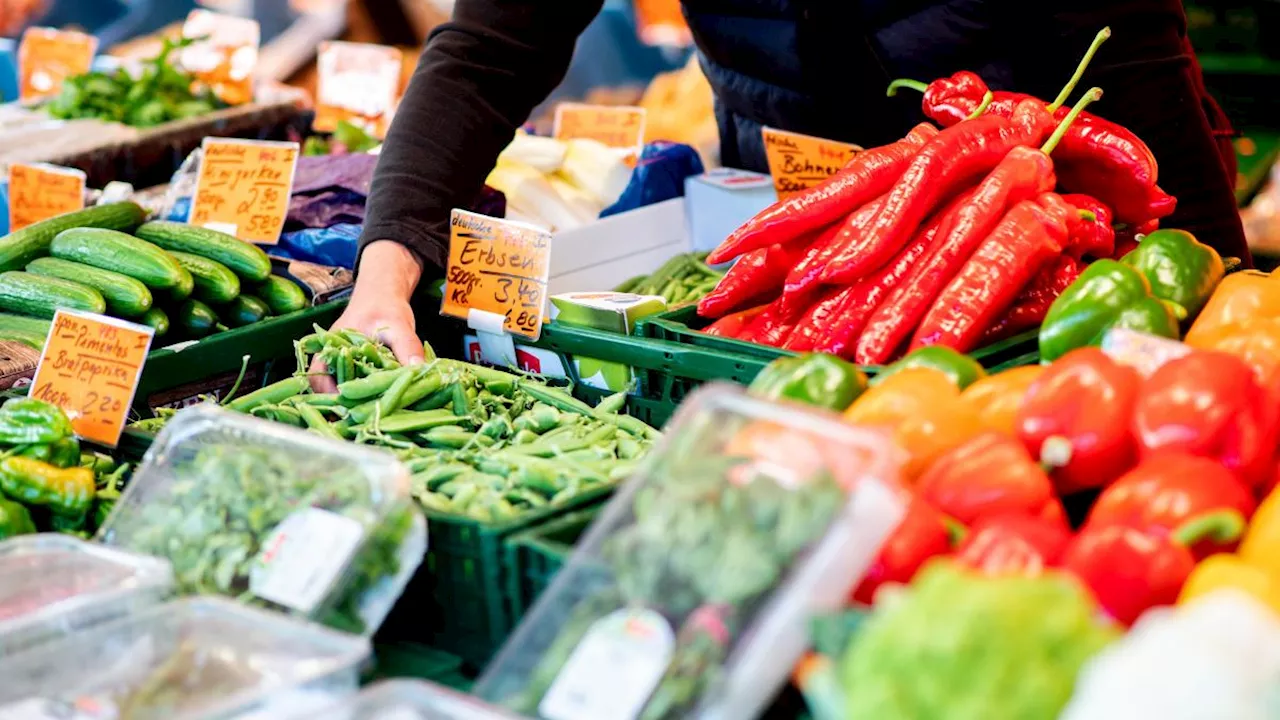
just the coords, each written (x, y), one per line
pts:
(536, 555)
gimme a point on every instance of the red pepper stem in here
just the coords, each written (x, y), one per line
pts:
(905, 83)
(982, 106)
(1070, 87)
(1221, 526)
(1093, 95)
(1088, 215)
(956, 531)
(1055, 452)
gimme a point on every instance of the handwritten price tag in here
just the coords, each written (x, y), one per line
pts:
(244, 187)
(90, 368)
(227, 56)
(500, 267)
(38, 192)
(616, 127)
(358, 83)
(47, 56)
(798, 162)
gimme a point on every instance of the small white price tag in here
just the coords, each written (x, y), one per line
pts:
(1140, 351)
(303, 557)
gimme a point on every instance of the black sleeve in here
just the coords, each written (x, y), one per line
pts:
(1151, 85)
(479, 77)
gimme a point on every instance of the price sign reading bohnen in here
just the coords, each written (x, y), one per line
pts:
(47, 57)
(243, 187)
(616, 127)
(38, 192)
(500, 267)
(798, 162)
(90, 368)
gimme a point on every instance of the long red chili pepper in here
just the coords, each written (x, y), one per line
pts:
(733, 324)
(795, 301)
(754, 279)
(1031, 307)
(947, 163)
(807, 274)
(1090, 232)
(768, 328)
(1028, 238)
(814, 323)
(868, 175)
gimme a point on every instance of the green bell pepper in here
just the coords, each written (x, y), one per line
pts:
(1180, 268)
(14, 519)
(24, 421)
(64, 453)
(962, 369)
(814, 379)
(1108, 294)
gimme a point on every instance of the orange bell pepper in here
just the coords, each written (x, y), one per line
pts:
(996, 398)
(1240, 298)
(922, 410)
(1255, 341)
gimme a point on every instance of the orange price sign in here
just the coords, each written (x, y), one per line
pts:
(618, 127)
(47, 56)
(498, 267)
(798, 162)
(38, 192)
(226, 57)
(358, 83)
(662, 23)
(90, 368)
(243, 187)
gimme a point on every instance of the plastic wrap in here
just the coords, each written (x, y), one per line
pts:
(274, 515)
(413, 700)
(691, 593)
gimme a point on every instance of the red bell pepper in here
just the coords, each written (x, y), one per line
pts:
(1130, 571)
(1162, 493)
(1128, 237)
(989, 475)
(1075, 419)
(1210, 404)
(1089, 232)
(923, 534)
(1013, 544)
(733, 324)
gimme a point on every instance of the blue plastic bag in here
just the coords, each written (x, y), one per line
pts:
(335, 246)
(659, 175)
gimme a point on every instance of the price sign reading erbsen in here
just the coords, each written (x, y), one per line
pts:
(798, 162)
(244, 186)
(90, 368)
(500, 267)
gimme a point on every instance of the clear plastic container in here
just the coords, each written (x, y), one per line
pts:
(413, 700)
(52, 585)
(276, 516)
(691, 594)
(193, 658)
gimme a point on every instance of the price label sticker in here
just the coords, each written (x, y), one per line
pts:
(244, 186)
(358, 83)
(616, 127)
(47, 56)
(1140, 351)
(90, 368)
(226, 54)
(798, 162)
(38, 192)
(500, 267)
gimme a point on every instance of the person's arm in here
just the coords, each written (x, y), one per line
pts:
(1151, 88)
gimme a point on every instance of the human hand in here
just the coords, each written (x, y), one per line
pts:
(380, 307)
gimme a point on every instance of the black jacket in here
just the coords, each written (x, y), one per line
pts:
(813, 66)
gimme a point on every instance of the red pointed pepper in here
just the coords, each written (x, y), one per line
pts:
(947, 164)
(1031, 307)
(792, 304)
(922, 535)
(1075, 419)
(1209, 404)
(770, 327)
(868, 175)
(1089, 232)
(754, 279)
(1130, 571)
(1162, 493)
(813, 324)
(806, 275)
(990, 475)
(733, 324)
(1013, 545)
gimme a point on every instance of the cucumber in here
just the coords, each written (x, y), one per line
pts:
(125, 296)
(281, 294)
(156, 318)
(22, 246)
(35, 341)
(244, 310)
(38, 296)
(195, 319)
(247, 261)
(215, 283)
(24, 324)
(115, 251)
(184, 288)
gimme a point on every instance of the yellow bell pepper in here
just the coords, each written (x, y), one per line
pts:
(921, 409)
(996, 398)
(1255, 341)
(1254, 569)
(1240, 298)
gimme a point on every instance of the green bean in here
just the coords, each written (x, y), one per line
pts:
(408, 421)
(497, 427)
(612, 404)
(421, 388)
(435, 400)
(273, 394)
(463, 497)
(434, 501)
(439, 475)
(461, 406)
(315, 400)
(374, 385)
(450, 437)
(390, 400)
(557, 399)
(316, 422)
(633, 426)
(345, 366)
(628, 448)
(523, 437)
(279, 413)
(528, 497)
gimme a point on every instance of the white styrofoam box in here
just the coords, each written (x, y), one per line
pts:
(601, 255)
(719, 201)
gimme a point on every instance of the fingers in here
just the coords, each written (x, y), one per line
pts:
(321, 382)
(404, 343)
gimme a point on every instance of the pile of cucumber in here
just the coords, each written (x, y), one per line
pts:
(186, 282)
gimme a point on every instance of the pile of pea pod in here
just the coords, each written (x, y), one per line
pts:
(481, 443)
(682, 280)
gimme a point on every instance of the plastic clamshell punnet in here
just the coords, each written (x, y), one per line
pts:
(190, 659)
(412, 700)
(690, 595)
(277, 516)
(53, 585)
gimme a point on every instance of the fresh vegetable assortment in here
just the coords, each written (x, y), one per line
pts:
(184, 281)
(683, 280)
